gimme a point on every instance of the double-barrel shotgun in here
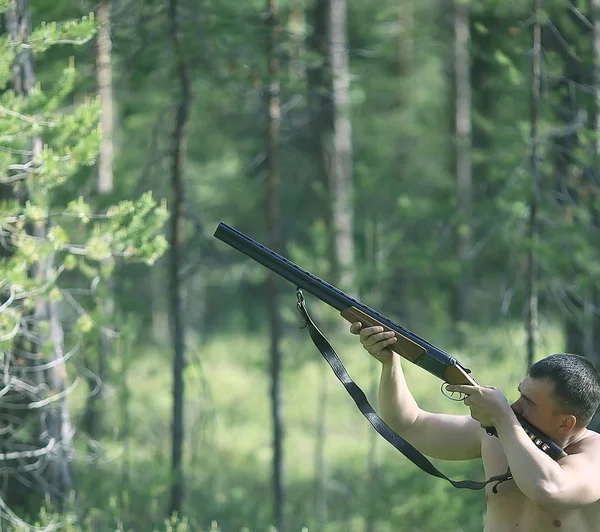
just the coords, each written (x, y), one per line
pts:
(408, 345)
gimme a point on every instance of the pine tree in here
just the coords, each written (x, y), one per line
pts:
(49, 239)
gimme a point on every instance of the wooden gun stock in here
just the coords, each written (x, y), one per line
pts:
(406, 348)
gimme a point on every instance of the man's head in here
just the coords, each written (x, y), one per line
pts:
(560, 393)
(576, 384)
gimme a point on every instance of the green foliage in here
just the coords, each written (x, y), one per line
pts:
(48, 34)
(69, 138)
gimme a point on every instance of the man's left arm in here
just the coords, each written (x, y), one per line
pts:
(571, 482)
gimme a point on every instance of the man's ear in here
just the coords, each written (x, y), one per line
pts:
(567, 423)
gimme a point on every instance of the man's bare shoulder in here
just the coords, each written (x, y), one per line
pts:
(589, 443)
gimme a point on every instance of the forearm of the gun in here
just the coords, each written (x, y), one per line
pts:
(413, 351)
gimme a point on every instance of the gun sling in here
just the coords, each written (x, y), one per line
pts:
(359, 397)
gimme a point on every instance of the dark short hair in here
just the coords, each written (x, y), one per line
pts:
(576, 384)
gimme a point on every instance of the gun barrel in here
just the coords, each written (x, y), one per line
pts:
(285, 268)
(321, 289)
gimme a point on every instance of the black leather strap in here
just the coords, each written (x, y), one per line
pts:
(415, 456)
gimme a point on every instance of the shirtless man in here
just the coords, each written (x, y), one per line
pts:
(559, 396)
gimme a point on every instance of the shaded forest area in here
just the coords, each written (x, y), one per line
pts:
(437, 159)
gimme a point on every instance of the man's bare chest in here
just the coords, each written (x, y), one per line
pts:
(509, 509)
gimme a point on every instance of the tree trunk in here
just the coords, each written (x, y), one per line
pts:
(321, 123)
(105, 90)
(321, 475)
(329, 101)
(59, 421)
(532, 314)
(297, 30)
(320, 104)
(177, 322)
(272, 142)
(406, 42)
(589, 310)
(567, 168)
(373, 461)
(464, 177)
(52, 475)
(340, 174)
(125, 426)
(96, 405)
(18, 27)
(372, 483)
(594, 336)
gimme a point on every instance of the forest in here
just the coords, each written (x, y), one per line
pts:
(439, 160)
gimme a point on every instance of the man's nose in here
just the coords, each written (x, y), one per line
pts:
(516, 407)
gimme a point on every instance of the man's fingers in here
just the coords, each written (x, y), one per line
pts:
(383, 338)
(461, 388)
(369, 333)
(375, 339)
(356, 327)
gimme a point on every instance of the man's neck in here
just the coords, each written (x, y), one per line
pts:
(573, 437)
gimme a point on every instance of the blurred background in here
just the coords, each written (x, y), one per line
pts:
(436, 159)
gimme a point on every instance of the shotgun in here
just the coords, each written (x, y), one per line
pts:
(408, 345)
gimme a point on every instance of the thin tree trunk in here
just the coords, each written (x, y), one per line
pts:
(567, 170)
(320, 459)
(532, 314)
(124, 351)
(105, 185)
(272, 142)
(372, 465)
(95, 409)
(464, 173)
(371, 514)
(594, 336)
(59, 419)
(18, 26)
(105, 90)
(340, 175)
(178, 327)
(329, 86)
(406, 42)
(588, 324)
(320, 105)
(297, 30)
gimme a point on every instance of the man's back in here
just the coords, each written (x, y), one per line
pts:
(510, 510)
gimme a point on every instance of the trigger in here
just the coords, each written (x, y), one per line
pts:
(453, 396)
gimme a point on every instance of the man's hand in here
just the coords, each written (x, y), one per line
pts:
(487, 403)
(375, 341)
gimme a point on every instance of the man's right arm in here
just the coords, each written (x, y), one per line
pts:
(445, 436)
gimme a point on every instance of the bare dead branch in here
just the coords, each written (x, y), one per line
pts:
(18, 455)
(27, 119)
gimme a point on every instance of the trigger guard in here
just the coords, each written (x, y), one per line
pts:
(450, 395)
